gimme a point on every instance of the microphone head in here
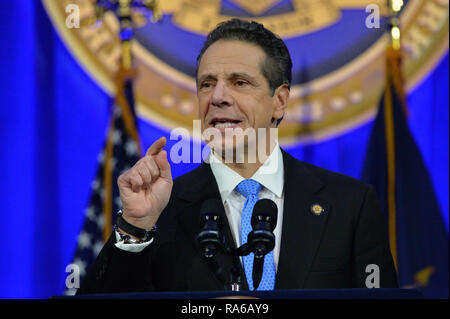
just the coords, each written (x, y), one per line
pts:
(265, 210)
(210, 211)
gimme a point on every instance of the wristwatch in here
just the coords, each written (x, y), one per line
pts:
(140, 233)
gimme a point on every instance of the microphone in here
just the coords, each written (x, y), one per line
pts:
(210, 238)
(261, 239)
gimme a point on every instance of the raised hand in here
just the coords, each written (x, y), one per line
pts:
(145, 188)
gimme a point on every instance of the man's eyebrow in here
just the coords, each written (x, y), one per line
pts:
(206, 77)
(247, 76)
(233, 75)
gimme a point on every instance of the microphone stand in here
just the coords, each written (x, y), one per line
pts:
(235, 269)
(235, 272)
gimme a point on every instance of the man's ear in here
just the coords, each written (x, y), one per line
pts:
(281, 97)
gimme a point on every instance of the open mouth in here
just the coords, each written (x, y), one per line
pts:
(224, 123)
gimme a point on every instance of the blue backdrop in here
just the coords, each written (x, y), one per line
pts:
(53, 122)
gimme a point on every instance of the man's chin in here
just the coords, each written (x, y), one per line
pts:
(230, 153)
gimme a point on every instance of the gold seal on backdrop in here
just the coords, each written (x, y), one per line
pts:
(202, 16)
(256, 7)
(328, 104)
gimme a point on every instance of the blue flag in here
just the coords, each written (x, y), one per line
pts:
(394, 166)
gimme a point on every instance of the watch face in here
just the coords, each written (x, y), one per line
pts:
(337, 48)
(129, 240)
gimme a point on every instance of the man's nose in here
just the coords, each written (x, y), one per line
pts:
(221, 95)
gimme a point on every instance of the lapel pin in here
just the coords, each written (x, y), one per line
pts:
(317, 209)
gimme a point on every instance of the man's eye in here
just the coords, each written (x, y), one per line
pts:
(241, 83)
(205, 85)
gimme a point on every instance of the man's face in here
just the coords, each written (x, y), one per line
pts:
(232, 91)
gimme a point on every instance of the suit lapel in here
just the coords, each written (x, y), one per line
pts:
(302, 229)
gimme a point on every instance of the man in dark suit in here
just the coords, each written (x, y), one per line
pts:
(330, 232)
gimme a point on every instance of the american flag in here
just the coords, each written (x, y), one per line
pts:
(120, 153)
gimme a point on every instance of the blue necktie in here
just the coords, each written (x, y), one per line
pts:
(250, 190)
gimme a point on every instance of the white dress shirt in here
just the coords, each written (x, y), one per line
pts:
(270, 175)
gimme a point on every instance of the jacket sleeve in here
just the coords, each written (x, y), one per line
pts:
(116, 270)
(371, 251)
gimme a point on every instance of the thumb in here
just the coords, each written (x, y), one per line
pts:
(163, 164)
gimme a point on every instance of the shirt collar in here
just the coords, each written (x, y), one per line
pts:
(270, 174)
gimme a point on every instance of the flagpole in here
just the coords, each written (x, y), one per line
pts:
(394, 81)
(123, 10)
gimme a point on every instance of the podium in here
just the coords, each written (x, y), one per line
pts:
(359, 293)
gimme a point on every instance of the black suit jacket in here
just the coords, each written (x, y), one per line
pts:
(331, 250)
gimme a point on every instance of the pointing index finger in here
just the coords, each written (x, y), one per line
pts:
(156, 146)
